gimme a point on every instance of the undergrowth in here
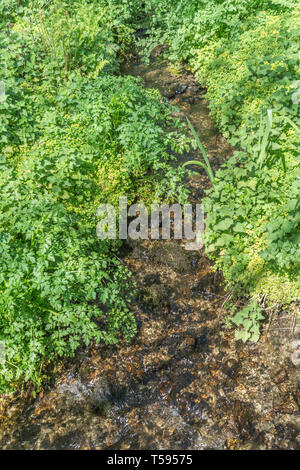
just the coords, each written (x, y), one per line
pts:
(247, 55)
(73, 134)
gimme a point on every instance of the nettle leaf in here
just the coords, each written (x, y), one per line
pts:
(224, 224)
(242, 335)
(239, 228)
(249, 319)
(224, 240)
(292, 204)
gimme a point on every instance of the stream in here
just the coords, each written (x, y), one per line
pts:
(184, 383)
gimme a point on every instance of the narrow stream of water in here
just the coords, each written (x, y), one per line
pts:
(184, 383)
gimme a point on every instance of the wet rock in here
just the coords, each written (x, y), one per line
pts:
(85, 371)
(189, 99)
(150, 279)
(230, 369)
(182, 380)
(243, 414)
(296, 397)
(155, 295)
(189, 343)
(284, 404)
(182, 88)
(68, 441)
(195, 259)
(170, 92)
(192, 89)
(280, 377)
(251, 446)
(28, 433)
(202, 341)
(206, 286)
(295, 356)
(175, 310)
(173, 255)
(192, 408)
(72, 390)
(100, 398)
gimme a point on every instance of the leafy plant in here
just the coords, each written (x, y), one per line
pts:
(73, 134)
(249, 321)
(247, 56)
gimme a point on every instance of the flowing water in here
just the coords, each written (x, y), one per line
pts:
(183, 383)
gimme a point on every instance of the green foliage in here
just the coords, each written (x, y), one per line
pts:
(189, 25)
(56, 278)
(283, 233)
(252, 225)
(248, 320)
(247, 54)
(44, 44)
(73, 135)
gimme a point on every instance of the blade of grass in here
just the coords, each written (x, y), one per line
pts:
(195, 162)
(203, 151)
(265, 141)
(283, 161)
(292, 124)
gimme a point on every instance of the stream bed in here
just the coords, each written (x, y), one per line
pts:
(184, 383)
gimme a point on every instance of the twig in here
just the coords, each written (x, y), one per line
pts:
(294, 321)
(227, 299)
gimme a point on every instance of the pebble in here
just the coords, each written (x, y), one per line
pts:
(280, 377)
(295, 357)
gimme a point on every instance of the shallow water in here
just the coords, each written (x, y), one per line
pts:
(183, 383)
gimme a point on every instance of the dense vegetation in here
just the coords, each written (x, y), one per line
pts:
(75, 134)
(247, 54)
